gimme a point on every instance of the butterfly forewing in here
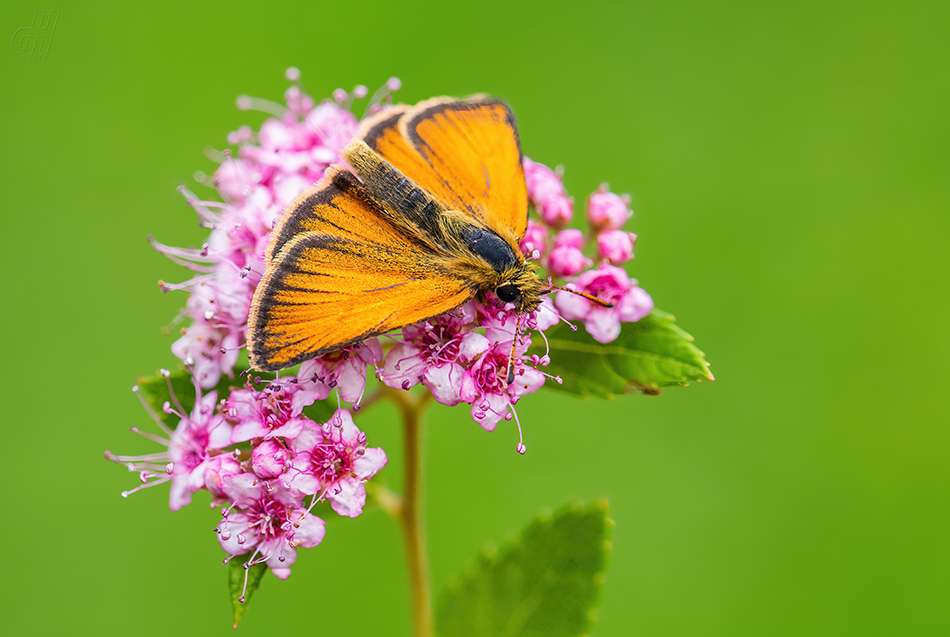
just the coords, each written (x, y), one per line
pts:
(340, 273)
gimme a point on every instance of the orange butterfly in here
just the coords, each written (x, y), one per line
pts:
(432, 218)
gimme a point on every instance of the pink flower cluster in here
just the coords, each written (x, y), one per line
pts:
(287, 464)
(287, 155)
(254, 449)
(562, 252)
(458, 364)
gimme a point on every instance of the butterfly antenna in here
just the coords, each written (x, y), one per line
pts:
(589, 297)
(511, 357)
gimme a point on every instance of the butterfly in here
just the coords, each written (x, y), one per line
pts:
(431, 216)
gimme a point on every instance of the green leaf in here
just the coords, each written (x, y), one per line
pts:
(155, 391)
(648, 354)
(241, 596)
(544, 583)
(321, 410)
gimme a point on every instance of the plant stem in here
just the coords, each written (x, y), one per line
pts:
(410, 514)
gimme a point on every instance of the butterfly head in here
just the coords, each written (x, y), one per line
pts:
(522, 287)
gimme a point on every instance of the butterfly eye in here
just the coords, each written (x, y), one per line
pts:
(508, 293)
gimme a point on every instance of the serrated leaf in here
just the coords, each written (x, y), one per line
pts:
(545, 583)
(236, 587)
(155, 391)
(651, 353)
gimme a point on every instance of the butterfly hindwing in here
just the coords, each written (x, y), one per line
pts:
(465, 152)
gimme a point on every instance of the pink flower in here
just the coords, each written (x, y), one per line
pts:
(344, 369)
(616, 246)
(193, 458)
(546, 193)
(201, 348)
(270, 459)
(265, 413)
(192, 448)
(611, 284)
(233, 177)
(429, 353)
(218, 469)
(607, 211)
(535, 238)
(566, 258)
(267, 524)
(485, 386)
(332, 462)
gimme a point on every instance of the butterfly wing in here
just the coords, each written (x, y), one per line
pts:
(466, 153)
(337, 204)
(340, 273)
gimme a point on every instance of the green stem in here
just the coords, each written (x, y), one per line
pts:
(410, 513)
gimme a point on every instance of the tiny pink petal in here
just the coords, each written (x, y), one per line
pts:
(468, 392)
(571, 238)
(245, 485)
(352, 379)
(566, 261)
(547, 315)
(616, 245)
(179, 495)
(370, 463)
(603, 324)
(444, 382)
(309, 530)
(528, 382)
(289, 430)
(473, 345)
(636, 304)
(409, 358)
(244, 431)
(281, 557)
(347, 497)
(349, 432)
(572, 306)
(230, 542)
(493, 413)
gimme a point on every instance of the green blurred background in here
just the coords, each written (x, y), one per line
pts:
(790, 170)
